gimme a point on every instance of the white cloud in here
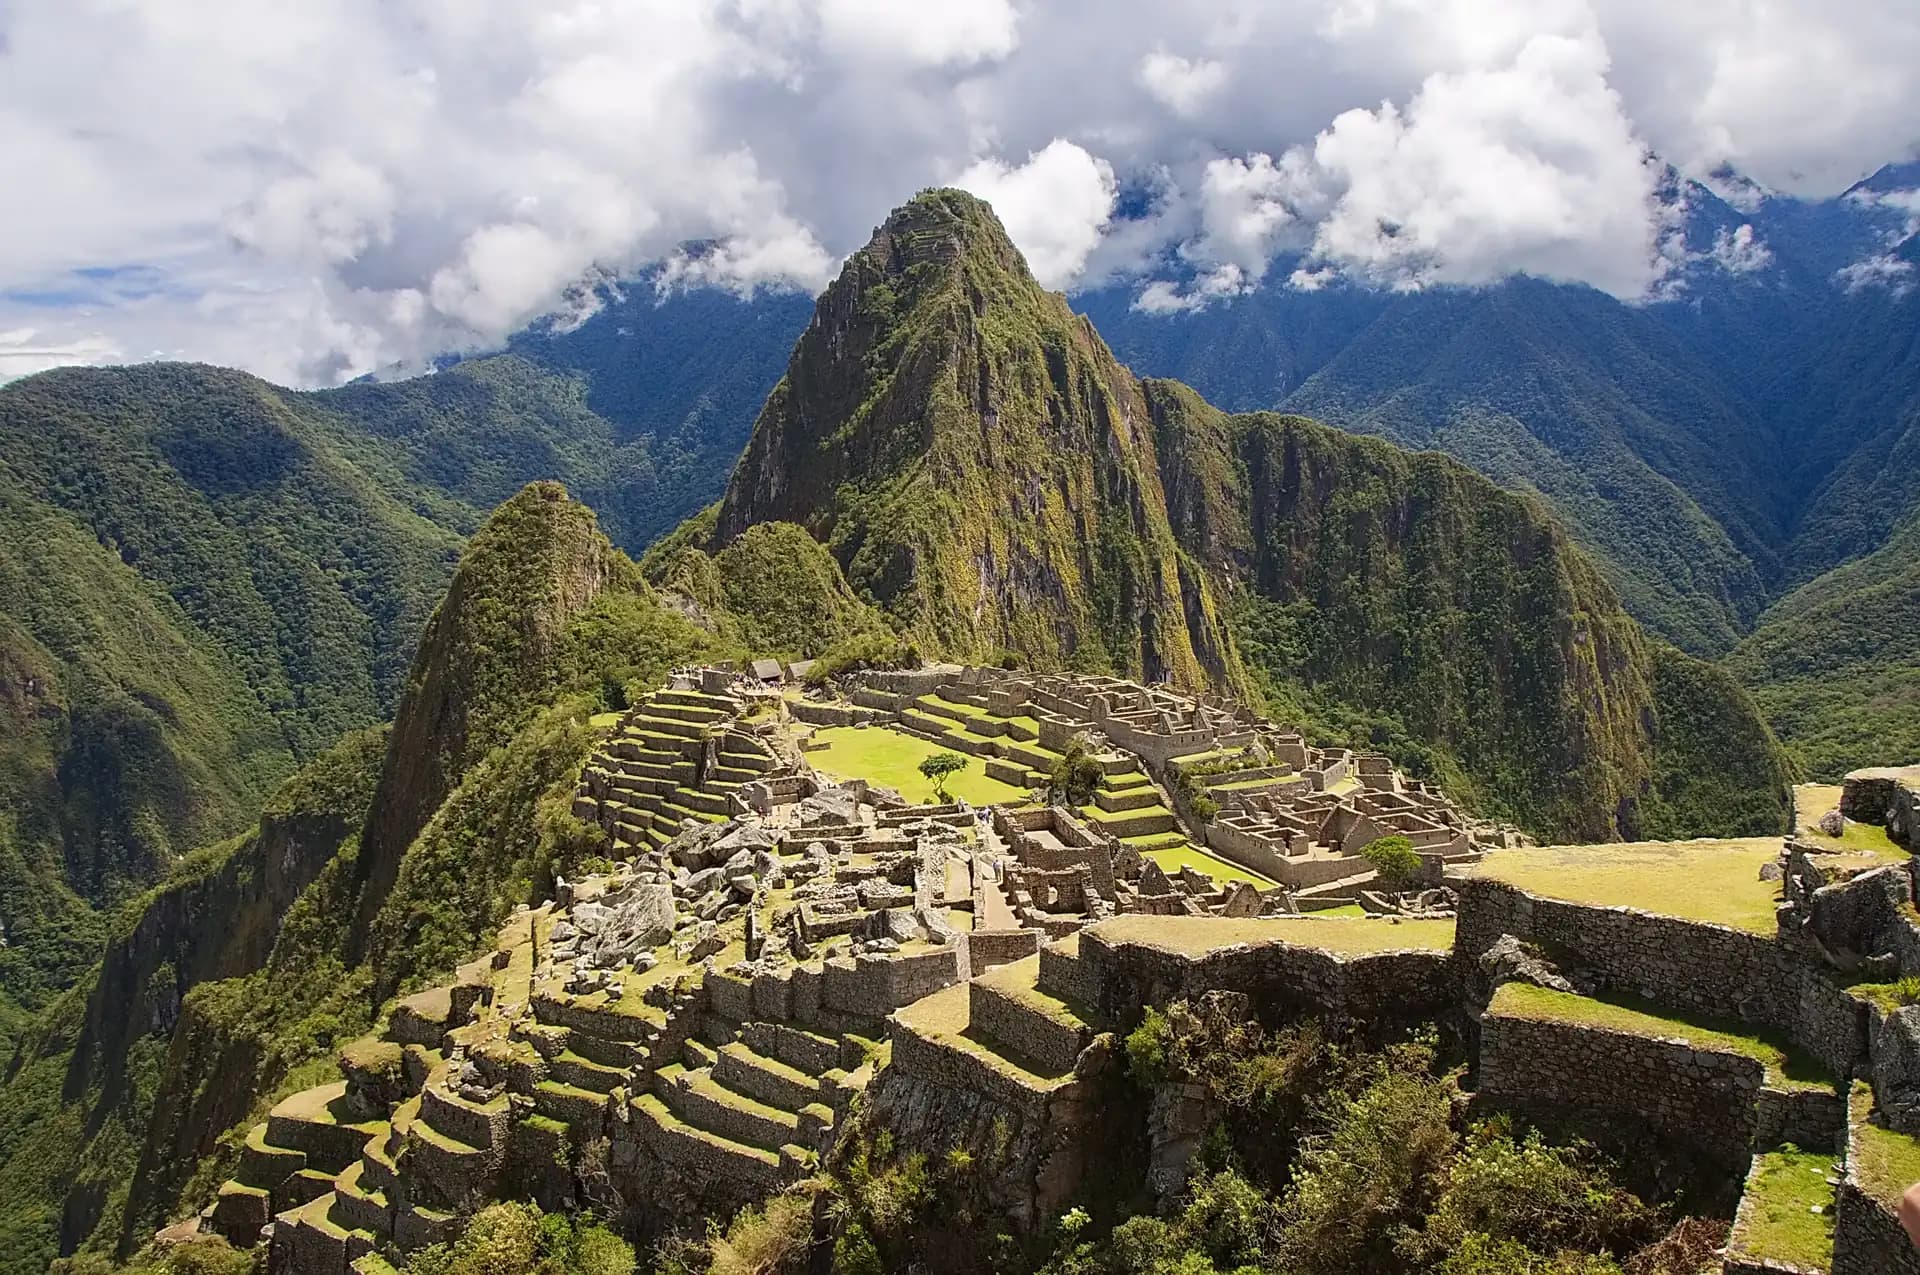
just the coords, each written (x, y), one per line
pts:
(1183, 85)
(1739, 251)
(1884, 271)
(341, 186)
(1054, 206)
(1528, 167)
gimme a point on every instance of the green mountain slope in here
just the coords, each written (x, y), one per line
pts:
(976, 459)
(982, 467)
(262, 954)
(127, 738)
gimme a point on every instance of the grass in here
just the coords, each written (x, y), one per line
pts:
(1786, 1067)
(1345, 909)
(1811, 801)
(1187, 855)
(1889, 996)
(888, 757)
(1883, 1162)
(1788, 1213)
(1717, 882)
(1347, 936)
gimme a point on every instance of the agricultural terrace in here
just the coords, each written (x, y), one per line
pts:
(1344, 935)
(889, 757)
(1717, 882)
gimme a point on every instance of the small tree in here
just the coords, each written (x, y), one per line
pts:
(1075, 775)
(937, 767)
(1394, 858)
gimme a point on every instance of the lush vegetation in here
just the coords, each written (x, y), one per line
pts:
(1394, 858)
(1330, 1156)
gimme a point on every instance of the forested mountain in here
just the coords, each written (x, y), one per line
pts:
(208, 580)
(980, 464)
(1718, 448)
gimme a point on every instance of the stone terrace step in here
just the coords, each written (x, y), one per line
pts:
(677, 1142)
(264, 1165)
(476, 1124)
(318, 1123)
(358, 1208)
(770, 1081)
(649, 726)
(1007, 1009)
(703, 1102)
(798, 1048)
(583, 1073)
(933, 1039)
(1146, 821)
(571, 1105)
(1137, 797)
(758, 763)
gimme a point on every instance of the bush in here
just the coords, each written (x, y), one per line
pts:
(939, 767)
(1394, 858)
(763, 1240)
(1076, 775)
(1149, 1049)
(1549, 1198)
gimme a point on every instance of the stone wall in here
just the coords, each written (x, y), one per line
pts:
(1713, 971)
(1596, 1081)
(870, 986)
(1867, 1239)
(988, 948)
(1283, 980)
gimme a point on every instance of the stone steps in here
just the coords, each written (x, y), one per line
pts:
(316, 1123)
(573, 1106)
(757, 763)
(706, 803)
(647, 725)
(1142, 822)
(309, 1241)
(700, 1100)
(679, 1143)
(1137, 797)
(358, 1208)
(770, 1081)
(481, 1125)
(583, 1073)
(798, 1048)
(265, 1165)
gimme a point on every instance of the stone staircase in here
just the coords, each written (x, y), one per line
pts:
(757, 1103)
(1127, 805)
(678, 757)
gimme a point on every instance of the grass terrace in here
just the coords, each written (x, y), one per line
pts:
(1786, 1066)
(891, 758)
(1788, 1212)
(1811, 801)
(1717, 882)
(1187, 855)
(1884, 1163)
(1344, 935)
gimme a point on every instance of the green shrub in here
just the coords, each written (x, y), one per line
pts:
(1149, 1049)
(1394, 858)
(1076, 775)
(939, 767)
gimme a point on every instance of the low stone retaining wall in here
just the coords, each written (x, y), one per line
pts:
(1596, 1080)
(1282, 980)
(1867, 1239)
(988, 948)
(1713, 971)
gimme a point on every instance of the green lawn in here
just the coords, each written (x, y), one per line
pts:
(1885, 1163)
(1778, 1221)
(888, 757)
(1785, 1066)
(1187, 855)
(1352, 936)
(1713, 881)
(1810, 801)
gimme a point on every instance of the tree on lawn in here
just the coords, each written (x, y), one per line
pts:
(1394, 858)
(937, 767)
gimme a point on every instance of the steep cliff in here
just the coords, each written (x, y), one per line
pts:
(539, 561)
(977, 461)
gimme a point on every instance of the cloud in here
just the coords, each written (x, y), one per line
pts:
(1182, 85)
(1054, 206)
(1739, 251)
(346, 186)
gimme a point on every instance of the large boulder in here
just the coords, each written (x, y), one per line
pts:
(619, 927)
